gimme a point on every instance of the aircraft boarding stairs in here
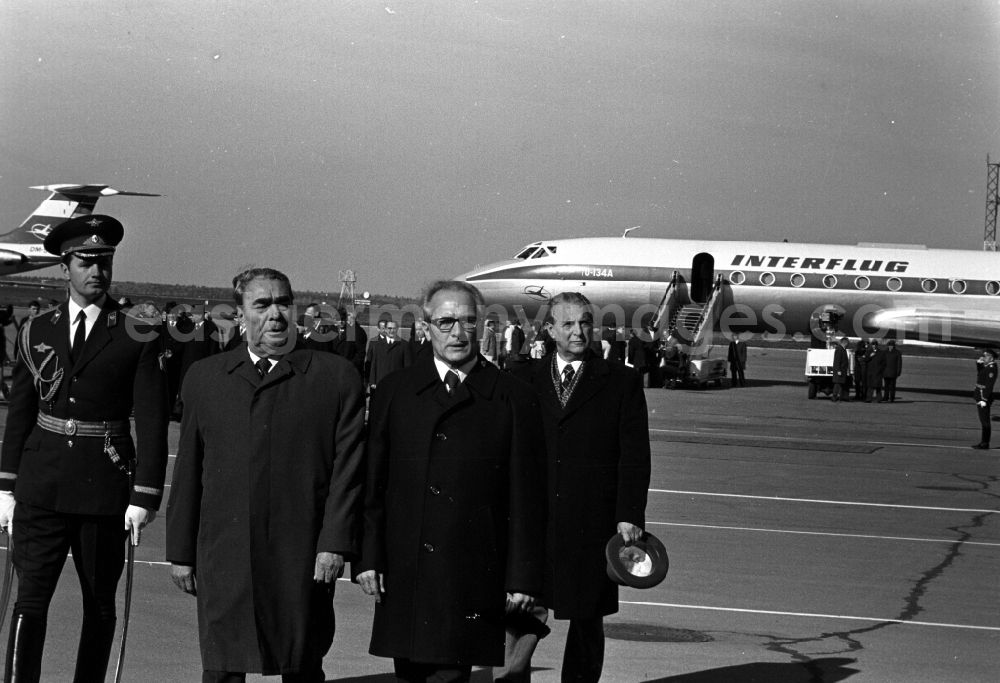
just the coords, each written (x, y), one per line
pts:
(692, 324)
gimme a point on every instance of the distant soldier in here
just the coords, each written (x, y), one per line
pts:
(986, 377)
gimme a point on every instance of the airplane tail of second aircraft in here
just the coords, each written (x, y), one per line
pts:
(64, 202)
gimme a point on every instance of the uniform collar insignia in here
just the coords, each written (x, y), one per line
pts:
(56, 316)
(41, 348)
(112, 318)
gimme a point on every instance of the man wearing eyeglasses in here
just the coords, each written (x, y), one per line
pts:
(454, 503)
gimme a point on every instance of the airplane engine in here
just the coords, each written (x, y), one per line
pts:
(9, 259)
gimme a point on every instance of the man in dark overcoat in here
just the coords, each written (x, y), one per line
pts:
(597, 445)
(265, 501)
(199, 338)
(893, 370)
(454, 503)
(860, 370)
(737, 362)
(841, 369)
(388, 354)
(874, 367)
(83, 368)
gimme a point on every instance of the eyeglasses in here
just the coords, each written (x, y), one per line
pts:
(446, 324)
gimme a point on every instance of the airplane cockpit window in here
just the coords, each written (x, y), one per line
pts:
(536, 250)
(527, 251)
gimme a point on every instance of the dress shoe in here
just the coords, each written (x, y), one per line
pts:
(981, 446)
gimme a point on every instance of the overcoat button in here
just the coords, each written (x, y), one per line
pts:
(428, 547)
(435, 490)
(441, 436)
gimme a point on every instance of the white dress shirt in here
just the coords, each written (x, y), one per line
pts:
(91, 311)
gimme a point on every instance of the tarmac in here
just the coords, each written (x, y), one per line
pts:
(808, 541)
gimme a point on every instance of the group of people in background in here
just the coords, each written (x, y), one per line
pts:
(876, 367)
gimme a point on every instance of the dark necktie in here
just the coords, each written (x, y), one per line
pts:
(263, 367)
(451, 381)
(79, 337)
(567, 377)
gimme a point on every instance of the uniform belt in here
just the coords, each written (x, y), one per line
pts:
(74, 427)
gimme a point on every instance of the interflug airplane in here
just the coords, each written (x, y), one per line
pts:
(769, 288)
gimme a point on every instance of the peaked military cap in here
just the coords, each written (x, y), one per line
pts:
(87, 236)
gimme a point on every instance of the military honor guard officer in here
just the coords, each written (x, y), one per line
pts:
(69, 464)
(982, 394)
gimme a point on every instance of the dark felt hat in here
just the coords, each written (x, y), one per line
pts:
(86, 236)
(642, 564)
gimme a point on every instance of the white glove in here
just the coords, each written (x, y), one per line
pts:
(6, 511)
(135, 518)
(982, 404)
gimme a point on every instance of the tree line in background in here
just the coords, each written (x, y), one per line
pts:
(20, 295)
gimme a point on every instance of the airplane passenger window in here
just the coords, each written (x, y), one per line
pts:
(830, 281)
(862, 282)
(958, 286)
(928, 285)
(993, 287)
(894, 284)
(767, 279)
(798, 279)
(737, 278)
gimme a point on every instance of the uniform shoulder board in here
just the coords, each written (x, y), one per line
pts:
(55, 313)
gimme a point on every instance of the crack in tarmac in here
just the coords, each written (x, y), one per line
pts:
(791, 647)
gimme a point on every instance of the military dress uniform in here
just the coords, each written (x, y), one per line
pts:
(986, 377)
(67, 457)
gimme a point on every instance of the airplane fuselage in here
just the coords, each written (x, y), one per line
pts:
(769, 288)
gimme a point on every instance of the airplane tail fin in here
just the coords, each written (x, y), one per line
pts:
(64, 202)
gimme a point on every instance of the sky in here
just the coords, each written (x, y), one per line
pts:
(411, 140)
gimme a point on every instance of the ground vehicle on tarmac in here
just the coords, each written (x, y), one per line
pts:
(819, 371)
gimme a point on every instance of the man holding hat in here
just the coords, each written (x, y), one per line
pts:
(79, 480)
(597, 443)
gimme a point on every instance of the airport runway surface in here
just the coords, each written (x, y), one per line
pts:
(809, 541)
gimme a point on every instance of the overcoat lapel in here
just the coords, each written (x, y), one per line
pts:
(595, 376)
(238, 364)
(546, 389)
